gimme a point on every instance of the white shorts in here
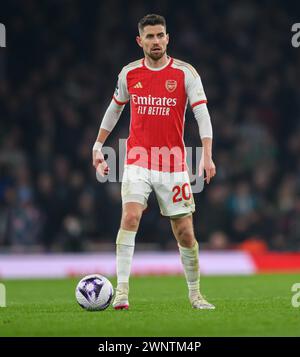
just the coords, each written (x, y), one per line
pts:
(172, 189)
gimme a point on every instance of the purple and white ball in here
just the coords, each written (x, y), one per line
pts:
(94, 292)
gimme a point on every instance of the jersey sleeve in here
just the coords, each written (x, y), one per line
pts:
(194, 88)
(121, 95)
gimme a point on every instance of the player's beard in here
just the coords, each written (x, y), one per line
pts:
(155, 56)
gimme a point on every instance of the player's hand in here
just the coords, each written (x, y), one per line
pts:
(207, 165)
(98, 160)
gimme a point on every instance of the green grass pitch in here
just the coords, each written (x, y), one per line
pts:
(257, 305)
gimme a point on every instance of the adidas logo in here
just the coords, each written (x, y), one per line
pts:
(138, 85)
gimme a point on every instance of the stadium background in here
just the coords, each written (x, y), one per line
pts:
(57, 76)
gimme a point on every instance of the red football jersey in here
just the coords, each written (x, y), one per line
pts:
(158, 100)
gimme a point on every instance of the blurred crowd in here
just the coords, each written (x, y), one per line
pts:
(57, 76)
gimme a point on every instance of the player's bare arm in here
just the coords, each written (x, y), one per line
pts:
(98, 159)
(206, 163)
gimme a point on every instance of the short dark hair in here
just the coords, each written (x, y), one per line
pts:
(151, 20)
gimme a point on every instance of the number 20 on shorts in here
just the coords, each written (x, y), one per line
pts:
(181, 193)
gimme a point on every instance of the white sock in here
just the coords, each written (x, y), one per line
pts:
(190, 261)
(125, 248)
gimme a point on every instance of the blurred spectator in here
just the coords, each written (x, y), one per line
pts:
(218, 241)
(70, 236)
(23, 220)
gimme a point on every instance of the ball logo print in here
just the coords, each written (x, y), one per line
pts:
(2, 36)
(296, 297)
(94, 292)
(2, 295)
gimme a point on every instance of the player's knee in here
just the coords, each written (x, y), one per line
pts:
(130, 220)
(186, 237)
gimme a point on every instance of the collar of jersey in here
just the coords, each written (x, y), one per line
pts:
(159, 68)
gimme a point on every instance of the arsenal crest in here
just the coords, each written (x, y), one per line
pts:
(171, 85)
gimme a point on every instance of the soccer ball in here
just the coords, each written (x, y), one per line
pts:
(94, 292)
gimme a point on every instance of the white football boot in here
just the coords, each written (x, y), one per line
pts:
(121, 298)
(198, 302)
